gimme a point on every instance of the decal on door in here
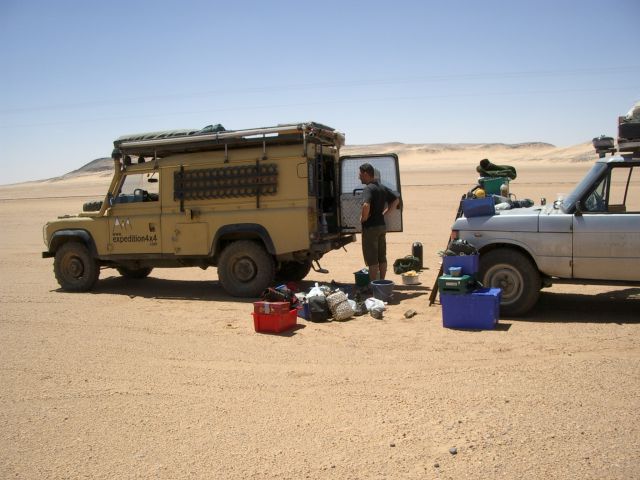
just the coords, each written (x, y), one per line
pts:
(122, 233)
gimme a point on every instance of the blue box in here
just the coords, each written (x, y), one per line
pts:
(303, 311)
(470, 264)
(478, 207)
(478, 310)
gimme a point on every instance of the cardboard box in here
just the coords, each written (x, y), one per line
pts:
(478, 310)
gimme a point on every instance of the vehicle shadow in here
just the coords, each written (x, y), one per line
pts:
(615, 306)
(165, 289)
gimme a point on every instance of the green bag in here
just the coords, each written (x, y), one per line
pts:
(406, 264)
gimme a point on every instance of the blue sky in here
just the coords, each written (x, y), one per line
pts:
(78, 74)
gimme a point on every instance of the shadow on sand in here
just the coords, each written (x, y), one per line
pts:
(615, 306)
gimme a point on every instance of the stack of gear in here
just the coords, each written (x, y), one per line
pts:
(465, 303)
(491, 170)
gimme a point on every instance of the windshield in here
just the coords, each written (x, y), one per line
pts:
(568, 204)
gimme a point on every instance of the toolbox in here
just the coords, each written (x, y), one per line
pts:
(456, 285)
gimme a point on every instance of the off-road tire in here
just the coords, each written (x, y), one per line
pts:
(136, 273)
(516, 275)
(74, 267)
(293, 271)
(245, 269)
(94, 206)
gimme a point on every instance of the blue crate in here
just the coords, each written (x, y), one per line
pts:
(478, 310)
(478, 207)
(469, 263)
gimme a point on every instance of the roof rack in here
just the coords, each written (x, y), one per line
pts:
(161, 144)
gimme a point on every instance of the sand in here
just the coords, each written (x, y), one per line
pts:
(166, 378)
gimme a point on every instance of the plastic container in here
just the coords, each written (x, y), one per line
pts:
(303, 311)
(492, 185)
(478, 310)
(455, 285)
(470, 264)
(271, 307)
(410, 279)
(382, 289)
(362, 277)
(455, 271)
(275, 322)
(478, 207)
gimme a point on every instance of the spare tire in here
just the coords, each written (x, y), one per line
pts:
(94, 206)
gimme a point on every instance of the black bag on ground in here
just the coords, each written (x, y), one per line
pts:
(406, 264)
(318, 308)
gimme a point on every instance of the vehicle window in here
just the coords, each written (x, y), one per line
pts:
(595, 202)
(621, 197)
(137, 187)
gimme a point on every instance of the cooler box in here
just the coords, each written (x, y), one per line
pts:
(478, 207)
(455, 285)
(469, 263)
(491, 185)
(275, 322)
(478, 310)
(271, 307)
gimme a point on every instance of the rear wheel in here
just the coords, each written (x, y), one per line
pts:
(75, 269)
(245, 269)
(293, 271)
(516, 275)
(134, 272)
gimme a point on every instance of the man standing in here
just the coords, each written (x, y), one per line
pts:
(378, 200)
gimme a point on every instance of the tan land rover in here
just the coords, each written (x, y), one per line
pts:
(259, 204)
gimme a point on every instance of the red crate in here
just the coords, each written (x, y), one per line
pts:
(271, 307)
(275, 322)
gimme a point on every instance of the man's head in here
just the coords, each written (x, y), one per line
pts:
(366, 173)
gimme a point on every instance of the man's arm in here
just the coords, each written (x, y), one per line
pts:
(364, 214)
(391, 206)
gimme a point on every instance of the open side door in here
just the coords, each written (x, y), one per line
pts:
(387, 172)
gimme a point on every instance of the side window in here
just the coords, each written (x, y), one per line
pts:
(139, 187)
(624, 193)
(596, 201)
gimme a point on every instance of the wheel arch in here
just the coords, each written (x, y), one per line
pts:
(63, 236)
(510, 246)
(240, 231)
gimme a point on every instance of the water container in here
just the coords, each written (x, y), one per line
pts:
(416, 251)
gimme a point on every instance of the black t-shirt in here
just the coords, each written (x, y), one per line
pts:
(376, 196)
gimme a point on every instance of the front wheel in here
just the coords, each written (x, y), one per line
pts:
(75, 269)
(245, 269)
(516, 275)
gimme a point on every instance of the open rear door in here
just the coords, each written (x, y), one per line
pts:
(387, 173)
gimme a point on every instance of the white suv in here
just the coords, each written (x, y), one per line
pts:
(592, 236)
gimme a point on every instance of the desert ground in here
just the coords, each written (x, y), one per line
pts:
(166, 377)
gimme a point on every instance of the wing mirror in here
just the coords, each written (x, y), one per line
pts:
(578, 209)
